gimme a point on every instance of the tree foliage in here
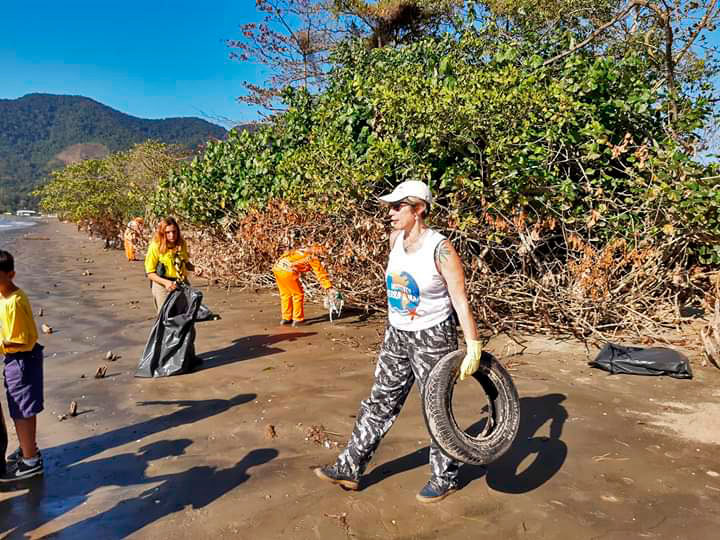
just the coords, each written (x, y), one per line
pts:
(564, 166)
(672, 35)
(292, 42)
(103, 194)
(495, 131)
(295, 39)
(394, 22)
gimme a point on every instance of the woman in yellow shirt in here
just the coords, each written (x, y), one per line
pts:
(167, 260)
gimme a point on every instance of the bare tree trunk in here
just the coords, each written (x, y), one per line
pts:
(636, 20)
(670, 69)
(599, 30)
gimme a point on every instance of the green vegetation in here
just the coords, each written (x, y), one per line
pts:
(103, 194)
(494, 132)
(562, 150)
(36, 128)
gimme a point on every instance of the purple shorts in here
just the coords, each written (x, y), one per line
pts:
(24, 382)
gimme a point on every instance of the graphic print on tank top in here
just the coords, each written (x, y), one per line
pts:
(403, 293)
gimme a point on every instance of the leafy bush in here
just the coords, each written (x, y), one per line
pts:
(495, 134)
(103, 194)
(575, 204)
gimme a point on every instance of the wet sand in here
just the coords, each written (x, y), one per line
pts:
(193, 456)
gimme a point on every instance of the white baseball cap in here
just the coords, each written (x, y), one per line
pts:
(409, 188)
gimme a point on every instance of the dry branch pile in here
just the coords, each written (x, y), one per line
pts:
(243, 253)
(710, 336)
(539, 278)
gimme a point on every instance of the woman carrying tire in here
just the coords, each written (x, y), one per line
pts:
(425, 283)
(167, 260)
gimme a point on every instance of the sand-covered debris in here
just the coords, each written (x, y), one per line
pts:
(698, 422)
(319, 435)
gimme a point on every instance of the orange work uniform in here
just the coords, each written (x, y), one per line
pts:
(132, 231)
(129, 246)
(287, 272)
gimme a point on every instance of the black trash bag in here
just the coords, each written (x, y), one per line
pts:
(638, 361)
(170, 349)
(205, 314)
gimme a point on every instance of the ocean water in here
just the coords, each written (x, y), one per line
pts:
(8, 223)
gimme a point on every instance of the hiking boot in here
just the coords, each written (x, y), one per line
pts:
(433, 493)
(285, 321)
(22, 470)
(16, 456)
(331, 474)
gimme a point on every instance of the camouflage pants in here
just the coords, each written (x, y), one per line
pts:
(404, 357)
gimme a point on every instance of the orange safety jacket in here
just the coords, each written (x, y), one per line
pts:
(299, 261)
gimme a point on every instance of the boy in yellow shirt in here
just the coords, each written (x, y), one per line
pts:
(23, 372)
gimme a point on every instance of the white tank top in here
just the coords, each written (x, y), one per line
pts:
(417, 294)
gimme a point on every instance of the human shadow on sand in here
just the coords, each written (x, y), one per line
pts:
(69, 478)
(188, 412)
(502, 475)
(358, 315)
(250, 347)
(196, 488)
(550, 451)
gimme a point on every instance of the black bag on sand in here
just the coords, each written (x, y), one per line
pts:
(639, 361)
(205, 314)
(170, 349)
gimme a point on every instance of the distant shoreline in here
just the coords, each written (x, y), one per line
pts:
(12, 223)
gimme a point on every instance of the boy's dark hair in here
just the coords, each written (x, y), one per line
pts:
(7, 263)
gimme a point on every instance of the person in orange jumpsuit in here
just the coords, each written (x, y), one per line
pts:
(133, 232)
(287, 272)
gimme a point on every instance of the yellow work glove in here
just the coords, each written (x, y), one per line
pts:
(471, 362)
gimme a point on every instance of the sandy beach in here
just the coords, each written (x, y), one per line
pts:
(227, 451)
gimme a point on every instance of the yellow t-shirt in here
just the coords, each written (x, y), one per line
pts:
(16, 323)
(168, 259)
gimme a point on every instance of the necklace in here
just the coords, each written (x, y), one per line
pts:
(411, 246)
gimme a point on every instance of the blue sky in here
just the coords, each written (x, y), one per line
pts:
(152, 58)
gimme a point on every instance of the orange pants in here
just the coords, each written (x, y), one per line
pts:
(129, 250)
(291, 295)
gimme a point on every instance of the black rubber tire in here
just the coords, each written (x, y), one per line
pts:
(503, 414)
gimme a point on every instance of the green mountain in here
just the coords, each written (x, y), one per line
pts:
(41, 132)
